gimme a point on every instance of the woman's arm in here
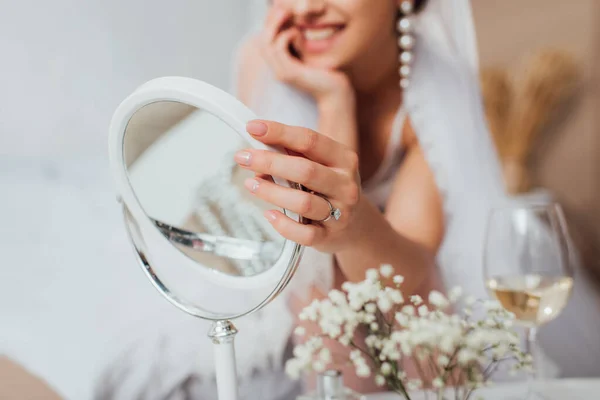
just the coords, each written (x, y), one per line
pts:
(409, 234)
(249, 67)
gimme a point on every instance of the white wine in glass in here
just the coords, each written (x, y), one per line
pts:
(528, 264)
(534, 299)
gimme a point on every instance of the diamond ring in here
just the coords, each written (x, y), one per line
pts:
(334, 213)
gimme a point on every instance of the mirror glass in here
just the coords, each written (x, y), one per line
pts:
(180, 165)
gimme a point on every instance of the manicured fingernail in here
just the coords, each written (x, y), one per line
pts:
(243, 158)
(256, 128)
(270, 215)
(251, 184)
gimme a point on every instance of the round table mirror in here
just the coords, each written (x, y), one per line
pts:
(200, 237)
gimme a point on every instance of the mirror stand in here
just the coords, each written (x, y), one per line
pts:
(222, 334)
(171, 152)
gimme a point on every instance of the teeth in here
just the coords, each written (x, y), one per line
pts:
(318, 34)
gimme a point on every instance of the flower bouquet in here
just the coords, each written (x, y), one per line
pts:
(450, 352)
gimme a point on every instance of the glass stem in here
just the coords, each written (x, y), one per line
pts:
(531, 348)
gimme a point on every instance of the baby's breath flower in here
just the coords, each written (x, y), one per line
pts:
(418, 332)
(337, 297)
(386, 368)
(325, 355)
(344, 341)
(371, 308)
(396, 297)
(363, 370)
(386, 270)
(318, 366)
(372, 275)
(443, 360)
(300, 331)
(437, 383)
(409, 310)
(438, 300)
(384, 303)
(401, 319)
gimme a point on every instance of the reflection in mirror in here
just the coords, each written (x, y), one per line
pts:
(181, 168)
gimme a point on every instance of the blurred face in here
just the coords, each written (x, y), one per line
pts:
(337, 33)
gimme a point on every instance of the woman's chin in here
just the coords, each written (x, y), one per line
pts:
(321, 61)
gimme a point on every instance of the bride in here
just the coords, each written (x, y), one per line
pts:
(378, 104)
(391, 88)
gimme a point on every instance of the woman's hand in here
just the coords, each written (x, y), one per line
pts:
(325, 86)
(323, 166)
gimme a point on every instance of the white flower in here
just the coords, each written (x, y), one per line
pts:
(386, 368)
(300, 331)
(363, 370)
(371, 308)
(384, 303)
(386, 270)
(438, 300)
(372, 275)
(470, 300)
(401, 319)
(318, 366)
(344, 341)
(465, 356)
(443, 360)
(325, 355)
(396, 296)
(371, 340)
(293, 368)
(418, 332)
(337, 297)
(409, 310)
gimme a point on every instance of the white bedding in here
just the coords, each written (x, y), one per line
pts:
(72, 297)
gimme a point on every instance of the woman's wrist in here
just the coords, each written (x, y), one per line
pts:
(341, 100)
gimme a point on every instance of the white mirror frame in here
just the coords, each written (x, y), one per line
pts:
(236, 115)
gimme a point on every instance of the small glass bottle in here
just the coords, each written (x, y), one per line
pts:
(330, 386)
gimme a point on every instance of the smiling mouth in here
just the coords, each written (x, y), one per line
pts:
(315, 34)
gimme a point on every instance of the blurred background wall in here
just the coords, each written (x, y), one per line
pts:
(66, 64)
(568, 161)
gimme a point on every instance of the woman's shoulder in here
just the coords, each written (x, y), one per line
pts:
(20, 383)
(250, 67)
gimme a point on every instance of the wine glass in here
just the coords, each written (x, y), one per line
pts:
(528, 267)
